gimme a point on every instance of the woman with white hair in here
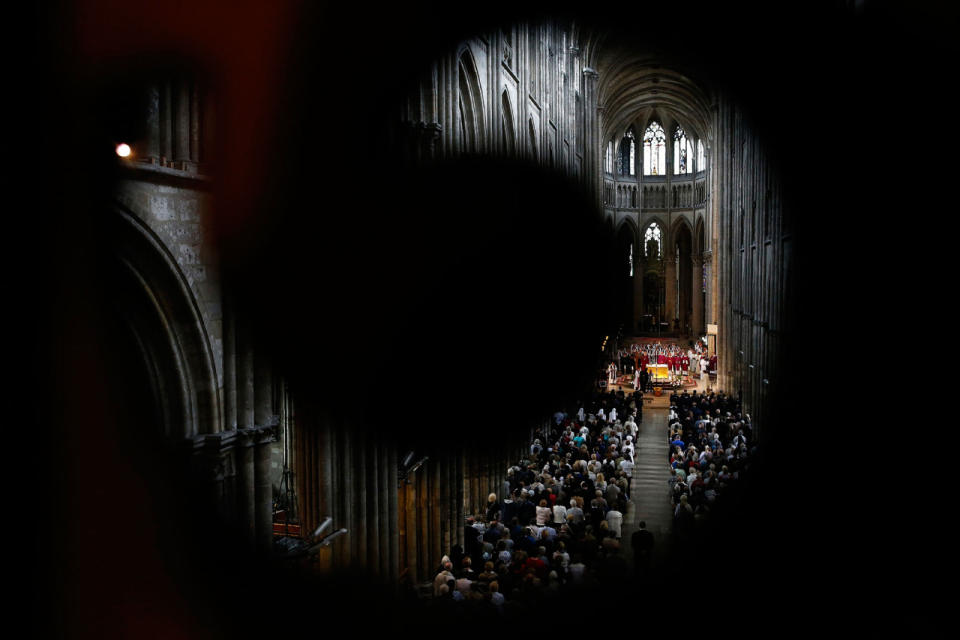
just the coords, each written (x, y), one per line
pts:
(493, 508)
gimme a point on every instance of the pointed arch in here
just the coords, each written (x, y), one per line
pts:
(698, 236)
(533, 138)
(628, 221)
(470, 104)
(159, 309)
(508, 135)
(680, 222)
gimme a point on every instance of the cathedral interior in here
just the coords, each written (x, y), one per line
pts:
(350, 257)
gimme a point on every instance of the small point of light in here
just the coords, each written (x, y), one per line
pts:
(123, 150)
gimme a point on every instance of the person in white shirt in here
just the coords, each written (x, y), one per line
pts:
(628, 448)
(614, 520)
(543, 513)
(559, 515)
(577, 569)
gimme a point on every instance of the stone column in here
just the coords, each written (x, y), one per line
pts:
(211, 453)
(590, 145)
(670, 283)
(246, 483)
(638, 273)
(263, 489)
(229, 365)
(393, 515)
(195, 110)
(696, 291)
(166, 117)
(153, 121)
(245, 378)
(181, 120)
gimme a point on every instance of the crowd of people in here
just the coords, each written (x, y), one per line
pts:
(557, 525)
(636, 358)
(711, 443)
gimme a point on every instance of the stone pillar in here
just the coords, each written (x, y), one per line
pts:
(263, 489)
(590, 146)
(211, 461)
(246, 484)
(263, 415)
(388, 528)
(245, 379)
(372, 523)
(696, 291)
(153, 121)
(181, 120)
(638, 273)
(195, 111)
(166, 117)
(390, 486)
(670, 283)
(229, 366)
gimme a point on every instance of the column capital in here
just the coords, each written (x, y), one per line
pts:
(707, 256)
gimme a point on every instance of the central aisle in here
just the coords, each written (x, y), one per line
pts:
(649, 491)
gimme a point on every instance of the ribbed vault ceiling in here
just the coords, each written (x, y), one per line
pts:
(634, 84)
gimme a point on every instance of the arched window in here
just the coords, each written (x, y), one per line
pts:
(682, 156)
(630, 258)
(628, 153)
(608, 162)
(654, 150)
(651, 241)
(701, 162)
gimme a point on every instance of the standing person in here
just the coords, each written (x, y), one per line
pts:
(642, 544)
(645, 380)
(614, 520)
(559, 515)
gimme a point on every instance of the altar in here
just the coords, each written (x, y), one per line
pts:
(658, 373)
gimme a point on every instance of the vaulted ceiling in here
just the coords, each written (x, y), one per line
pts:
(634, 84)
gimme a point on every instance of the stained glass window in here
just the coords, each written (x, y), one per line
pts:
(654, 150)
(609, 159)
(651, 240)
(630, 257)
(682, 149)
(701, 162)
(628, 155)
